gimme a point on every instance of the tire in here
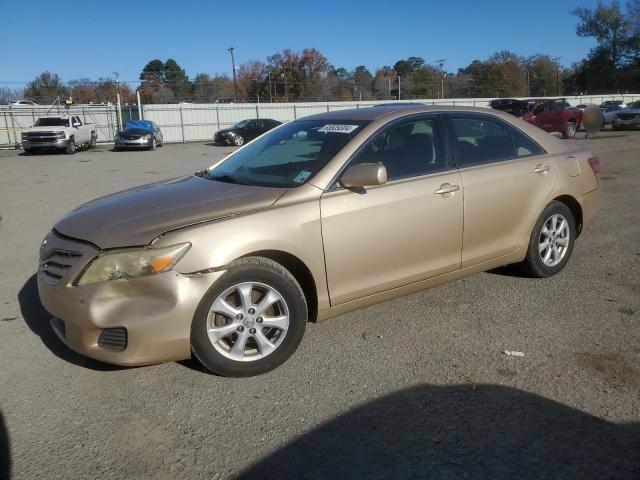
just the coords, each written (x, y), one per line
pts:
(28, 151)
(570, 130)
(534, 263)
(154, 144)
(93, 141)
(261, 277)
(71, 147)
(238, 140)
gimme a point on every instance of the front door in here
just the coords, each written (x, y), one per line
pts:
(404, 231)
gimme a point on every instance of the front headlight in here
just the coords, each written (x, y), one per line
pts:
(61, 135)
(147, 137)
(133, 263)
(116, 136)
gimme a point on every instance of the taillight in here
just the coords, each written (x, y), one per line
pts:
(594, 163)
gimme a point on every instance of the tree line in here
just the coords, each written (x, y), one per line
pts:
(612, 66)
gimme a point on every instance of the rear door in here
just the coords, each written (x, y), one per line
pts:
(507, 180)
(404, 231)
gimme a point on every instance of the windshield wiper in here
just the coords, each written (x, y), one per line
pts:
(226, 179)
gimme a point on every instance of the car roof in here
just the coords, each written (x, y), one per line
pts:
(391, 111)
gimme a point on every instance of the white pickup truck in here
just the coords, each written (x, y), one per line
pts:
(66, 132)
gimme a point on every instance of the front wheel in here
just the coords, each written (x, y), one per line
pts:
(551, 242)
(251, 320)
(71, 147)
(153, 144)
(93, 141)
(570, 130)
(238, 140)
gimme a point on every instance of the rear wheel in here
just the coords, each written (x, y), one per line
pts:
(551, 242)
(570, 130)
(71, 147)
(251, 320)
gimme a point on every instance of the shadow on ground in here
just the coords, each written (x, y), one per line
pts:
(459, 432)
(5, 451)
(37, 318)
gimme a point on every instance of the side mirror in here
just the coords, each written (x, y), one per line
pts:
(75, 125)
(364, 175)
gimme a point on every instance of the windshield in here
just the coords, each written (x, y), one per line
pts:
(635, 105)
(241, 124)
(52, 122)
(288, 156)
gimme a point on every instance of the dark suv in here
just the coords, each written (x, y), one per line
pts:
(244, 131)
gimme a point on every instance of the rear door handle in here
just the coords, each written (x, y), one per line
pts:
(447, 188)
(540, 168)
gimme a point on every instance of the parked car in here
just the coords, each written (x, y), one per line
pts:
(610, 113)
(62, 133)
(22, 103)
(232, 262)
(510, 105)
(244, 131)
(555, 116)
(628, 117)
(138, 134)
(609, 103)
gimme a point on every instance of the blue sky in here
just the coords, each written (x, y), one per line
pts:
(94, 39)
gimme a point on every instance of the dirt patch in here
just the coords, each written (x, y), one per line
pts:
(611, 367)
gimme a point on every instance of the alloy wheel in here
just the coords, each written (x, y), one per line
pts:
(248, 321)
(554, 240)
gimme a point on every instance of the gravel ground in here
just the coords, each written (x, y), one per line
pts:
(412, 388)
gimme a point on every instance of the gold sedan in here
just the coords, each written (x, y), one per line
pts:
(317, 217)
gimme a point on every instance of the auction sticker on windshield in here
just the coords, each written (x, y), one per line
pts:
(337, 128)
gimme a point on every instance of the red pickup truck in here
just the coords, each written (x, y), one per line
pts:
(555, 116)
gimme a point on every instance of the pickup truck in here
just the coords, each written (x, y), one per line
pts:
(65, 133)
(555, 116)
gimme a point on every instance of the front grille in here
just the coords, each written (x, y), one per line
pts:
(131, 137)
(627, 116)
(55, 263)
(114, 338)
(42, 137)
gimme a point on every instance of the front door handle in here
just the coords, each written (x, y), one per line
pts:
(447, 188)
(540, 168)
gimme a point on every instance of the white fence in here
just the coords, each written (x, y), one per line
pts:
(198, 122)
(15, 119)
(193, 122)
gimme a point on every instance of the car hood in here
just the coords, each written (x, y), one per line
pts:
(226, 130)
(632, 111)
(136, 216)
(59, 128)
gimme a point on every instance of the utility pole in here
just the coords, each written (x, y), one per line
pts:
(286, 90)
(557, 60)
(441, 64)
(528, 84)
(118, 101)
(399, 89)
(270, 96)
(233, 66)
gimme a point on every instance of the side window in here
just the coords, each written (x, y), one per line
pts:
(407, 150)
(525, 147)
(76, 121)
(479, 139)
